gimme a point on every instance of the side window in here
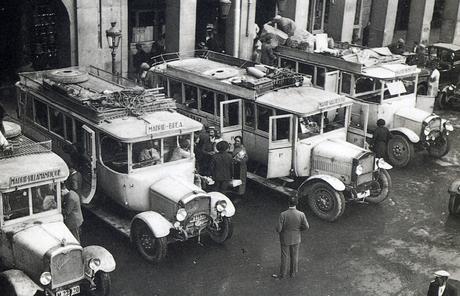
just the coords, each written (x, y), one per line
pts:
(219, 98)
(263, 117)
(334, 119)
(307, 69)
(79, 131)
(320, 76)
(29, 108)
(175, 90)
(281, 129)
(207, 101)
(146, 153)
(346, 83)
(309, 126)
(44, 198)
(68, 128)
(363, 85)
(15, 204)
(56, 121)
(288, 64)
(169, 144)
(249, 114)
(182, 150)
(114, 154)
(41, 114)
(191, 96)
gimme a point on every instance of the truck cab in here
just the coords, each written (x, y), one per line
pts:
(38, 253)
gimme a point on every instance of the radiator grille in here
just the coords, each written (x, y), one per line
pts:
(66, 267)
(367, 162)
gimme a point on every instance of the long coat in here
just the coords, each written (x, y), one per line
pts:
(221, 166)
(380, 140)
(291, 222)
(73, 217)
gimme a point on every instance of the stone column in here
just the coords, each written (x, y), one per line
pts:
(421, 13)
(341, 19)
(450, 29)
(180, 25)
(298, 11)
(240, 28)
(383, 18)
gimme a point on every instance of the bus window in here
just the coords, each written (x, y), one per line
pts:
(169, 144)
(249, 114)
(288, 64)
(346, 83)
(309, 126)
(334, 119)
(175, 90)
(281, 129)
(263, 117)
(146, 153)
(409, 84)
(114, 154)
(56, 121)
(307, 69)
(15, 204)
(29, 108)
(44, 198)
(219, 98)
(364, 85)
(191, 96)
(207, 101)
(68, 129)
(183, 150)
(79, 131)
(320, 76)
(41, 114)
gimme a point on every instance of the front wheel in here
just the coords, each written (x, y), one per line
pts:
(440, 148)
(103, 284)
(151, 248)
(325, 201)
(380, 193)
(222, 231)
(454, 204)
(6, 287)
(400, 151)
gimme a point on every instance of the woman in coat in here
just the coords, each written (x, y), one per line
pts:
(240, 157)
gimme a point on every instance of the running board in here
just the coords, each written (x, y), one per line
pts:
(272, 185)
(120, 224)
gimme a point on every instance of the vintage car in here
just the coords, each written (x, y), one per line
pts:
(290, 131)
(128, 137)
(38, 253)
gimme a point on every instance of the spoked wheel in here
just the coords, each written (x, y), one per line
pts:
(454, 204)
(380, 193)
(440, 148)
(222, 231)
(103, 284)
(151, 248)
(400, 151)
(325, 202)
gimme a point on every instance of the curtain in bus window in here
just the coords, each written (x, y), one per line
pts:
(175, 90)
(191, 96)
(56, 121)
(263, 117)
(207, 101)
(41, 114)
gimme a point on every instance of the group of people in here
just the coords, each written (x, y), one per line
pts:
(143, 59)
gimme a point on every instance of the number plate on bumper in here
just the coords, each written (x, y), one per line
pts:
(363, 194)
(69, 292)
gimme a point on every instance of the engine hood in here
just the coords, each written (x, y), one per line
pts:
(414, 114)
(338, 150)
(175, 189)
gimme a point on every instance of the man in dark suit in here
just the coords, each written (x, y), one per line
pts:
(221, 166)
(290, 224)
(440, 286)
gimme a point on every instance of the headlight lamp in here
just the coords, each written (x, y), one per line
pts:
(359, 170)
(448, 126)
(221, 205)
(45, 278)
(94, 264)
(181, 214)
(427, 130)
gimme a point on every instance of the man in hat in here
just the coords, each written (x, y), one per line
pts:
(71, 210)
(440, 287)
(290, 224)
(221, 166)
(398, 47)
(380, 139)
(139, 57)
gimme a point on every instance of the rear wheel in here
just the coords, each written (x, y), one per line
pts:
(400, 151)
(454, 204)
(103, 284)
(440, 148)
(380, 193)
(151, 248)
(325, 201)
(222, 231)
(6, 288)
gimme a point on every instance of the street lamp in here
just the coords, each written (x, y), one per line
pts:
(113, 39)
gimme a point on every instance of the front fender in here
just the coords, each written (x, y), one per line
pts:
(22, 284)
(333, 181)
(454, 187)
(97, 252)
(410, 134)
(215, 197)
(158, 224)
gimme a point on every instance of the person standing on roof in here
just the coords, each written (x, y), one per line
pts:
(285, 24)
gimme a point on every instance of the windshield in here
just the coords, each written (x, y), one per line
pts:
(158, 151)
(322, 122)
(114, 154)
(29, 201)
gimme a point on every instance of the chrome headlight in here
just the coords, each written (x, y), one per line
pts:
(94, 264)
(221, 205)
(427, 130)
(448, 126)
(45, 278)
(181, 214)
(359, 170)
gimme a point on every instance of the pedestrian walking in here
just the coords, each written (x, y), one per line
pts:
(221, 166)
(380, 139)
(73, 217)
(290, 224)
(433, 81)
(240, 158)
(440, 287)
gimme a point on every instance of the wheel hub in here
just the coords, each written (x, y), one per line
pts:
(323, 202)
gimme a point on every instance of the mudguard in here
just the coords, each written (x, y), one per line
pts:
(215, 197)
(333, 181)
(22, 284)
(159, 225)
(382, 164)
(107, 262)
(413, 137)
(454, 187)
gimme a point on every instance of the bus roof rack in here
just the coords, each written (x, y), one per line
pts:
(21, 146)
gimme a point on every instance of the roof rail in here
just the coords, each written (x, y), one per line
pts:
(22, 146)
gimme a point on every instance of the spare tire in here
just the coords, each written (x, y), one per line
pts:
(11, 129)
(67, 76)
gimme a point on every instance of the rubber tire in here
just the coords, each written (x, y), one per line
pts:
(67, 76)
(160, 244)
(384, 180)
(336, 197)
(445, 149)
(454, 204)
(441, 101)
(103, 284)
(406, 146)
(226, 231)
(6, 288)
(422, 89)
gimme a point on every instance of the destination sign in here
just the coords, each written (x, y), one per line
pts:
(155, 128)
(33, 178)
(331, 102)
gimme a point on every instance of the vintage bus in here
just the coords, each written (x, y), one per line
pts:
(38, 253)
(289, 130)
(382, 86)
(127, 141)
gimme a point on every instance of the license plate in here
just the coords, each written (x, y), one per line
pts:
(69, 292)
(364, 194)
